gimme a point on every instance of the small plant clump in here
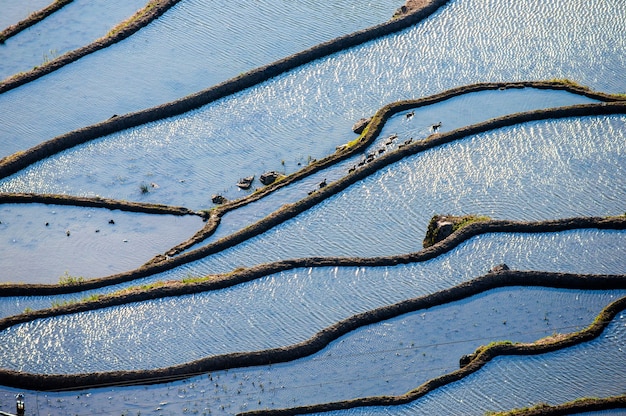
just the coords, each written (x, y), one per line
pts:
(441, 226)
(194, 279)
(50, 56)
(67, 279)
(139, 14)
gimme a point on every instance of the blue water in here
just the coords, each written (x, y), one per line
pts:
(564, 252)
(210, 157)
(36, 234)
(161, 63)
(593, 369)
(390, 357)
(283, 308)
(74, 25)
(495, 173)
(462, 44)
(14, 11)
(548, 169)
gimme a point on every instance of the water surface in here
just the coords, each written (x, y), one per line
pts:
(468, 41)
(36, 247)
(564, 252)
(193, 46)
(14, 11)
(592, 369)
(74, 25)
(205, 152)
(390, 357)
(283, 308)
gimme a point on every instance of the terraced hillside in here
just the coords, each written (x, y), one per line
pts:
(433, 220)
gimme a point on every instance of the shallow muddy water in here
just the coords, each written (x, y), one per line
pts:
(54, 241)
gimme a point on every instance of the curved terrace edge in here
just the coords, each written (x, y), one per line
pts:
(153, 10)
(32, 19)
(611, 104)
(485, 355)
(198, 99)
(248, 274)
(379, 120)
(583, 405)
(507, 278)
(94, 202)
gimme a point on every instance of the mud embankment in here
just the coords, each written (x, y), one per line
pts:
(322, 339)
(32, 19)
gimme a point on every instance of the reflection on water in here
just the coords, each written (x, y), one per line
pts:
(209, 150)
(468, 41)
(592, 369)
(287, 307)
(563, 252)
(402, 353)
(195, 45)
(536, 170)
(76, 24)
(494, 150)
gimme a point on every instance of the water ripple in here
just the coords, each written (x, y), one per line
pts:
(287, 307)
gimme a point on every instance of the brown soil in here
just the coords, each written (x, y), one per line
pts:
(411, 6)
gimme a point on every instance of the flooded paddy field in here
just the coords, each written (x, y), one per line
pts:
(543, 169)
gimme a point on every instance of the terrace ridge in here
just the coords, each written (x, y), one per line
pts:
(152, 11)
(611, 104)
(485, 355)
(492, 280)
(32, 19)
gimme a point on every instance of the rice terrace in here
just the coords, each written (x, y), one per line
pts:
(318, 208)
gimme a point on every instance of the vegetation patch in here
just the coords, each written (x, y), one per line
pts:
(584, 404)
(68, 280)
(139, 15)
(442, 226)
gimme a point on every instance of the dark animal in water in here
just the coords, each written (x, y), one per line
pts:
(323, 183)
(269, 177)
(410, 115)
(390, 139)
(436, 126)
(406, 142)
(244, 183)
(218, 199)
